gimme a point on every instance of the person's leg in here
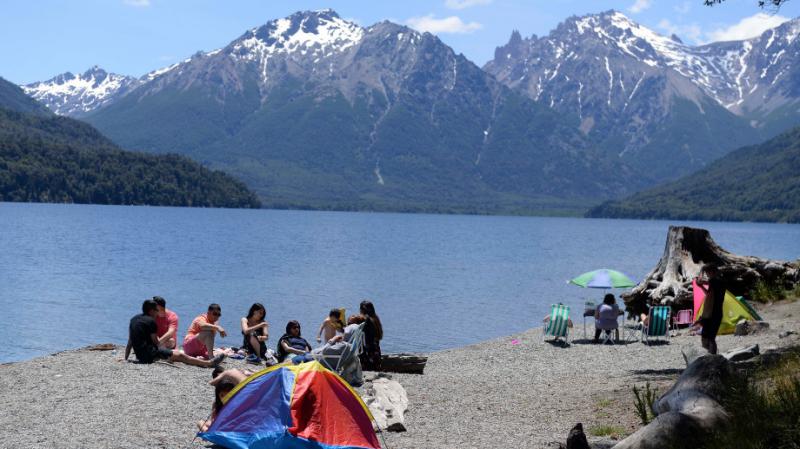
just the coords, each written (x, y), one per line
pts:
(712, 346)
(616, 334)
(253, 345)
(178, 356)
(207, 338)
(597, 335)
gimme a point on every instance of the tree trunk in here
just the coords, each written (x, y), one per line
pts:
(686, 252)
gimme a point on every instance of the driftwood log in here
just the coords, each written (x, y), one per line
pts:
(690, 411)
(403, 363)
(686, 252)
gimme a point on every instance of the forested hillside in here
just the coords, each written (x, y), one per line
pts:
(45, 158)
(755, 183)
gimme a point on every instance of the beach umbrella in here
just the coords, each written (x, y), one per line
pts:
(603, 278)
(293, 406)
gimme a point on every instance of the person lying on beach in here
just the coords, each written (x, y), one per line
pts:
(329, 327)
(199, 340)
(255, 332)
(167, 322)
(292, 343)
(234, 375)
(221, 389)
(144, 342)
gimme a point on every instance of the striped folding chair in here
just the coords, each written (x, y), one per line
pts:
(657, 324)
(558, 324)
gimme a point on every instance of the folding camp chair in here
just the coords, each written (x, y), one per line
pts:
(684, 317)
(558, 324)
(351, 351)
(632, 330)
(657, 324)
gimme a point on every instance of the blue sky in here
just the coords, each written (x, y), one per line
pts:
(39, 39)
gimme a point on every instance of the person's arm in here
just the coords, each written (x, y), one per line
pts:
(290, 349)
(321, 329)
(213, 327)
(128, 348)
(248, 329)
(169, 334)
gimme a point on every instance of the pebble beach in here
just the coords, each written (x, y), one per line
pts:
(509, 392)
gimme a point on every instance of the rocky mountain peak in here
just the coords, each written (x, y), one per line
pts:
(317, 32)
(69, 94)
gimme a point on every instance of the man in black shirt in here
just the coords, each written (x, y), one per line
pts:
(714, 287)
(143, 340)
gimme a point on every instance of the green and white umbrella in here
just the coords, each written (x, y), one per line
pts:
(603, 278)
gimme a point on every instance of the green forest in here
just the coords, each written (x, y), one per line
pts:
(754, 183)
(45, 158)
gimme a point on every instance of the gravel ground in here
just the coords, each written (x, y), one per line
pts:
(493, 394)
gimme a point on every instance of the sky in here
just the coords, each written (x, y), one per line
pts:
(40, 39)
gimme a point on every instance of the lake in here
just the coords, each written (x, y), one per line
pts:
(73, 275)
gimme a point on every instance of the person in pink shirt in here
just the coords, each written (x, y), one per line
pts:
(199, 340)
(167, 323)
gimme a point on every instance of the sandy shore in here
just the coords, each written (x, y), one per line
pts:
(492, 394)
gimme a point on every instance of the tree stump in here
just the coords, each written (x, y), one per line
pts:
(686, 252)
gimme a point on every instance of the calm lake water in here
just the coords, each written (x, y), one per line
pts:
(73, 275)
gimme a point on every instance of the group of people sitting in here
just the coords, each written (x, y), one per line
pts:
(153, 336)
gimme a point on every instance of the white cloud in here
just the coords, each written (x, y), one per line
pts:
(452, 24)
(683, 8)
(746, 28)
(640, 5)
(692, 33)
(137, 3)
(463, 4)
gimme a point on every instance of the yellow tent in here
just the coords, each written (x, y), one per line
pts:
(733, 311)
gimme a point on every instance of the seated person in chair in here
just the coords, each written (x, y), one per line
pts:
(605, 317)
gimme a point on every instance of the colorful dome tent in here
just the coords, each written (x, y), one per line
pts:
(294, 407)
(734, 309)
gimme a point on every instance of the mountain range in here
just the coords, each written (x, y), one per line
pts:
(662, 106)
(314, 111)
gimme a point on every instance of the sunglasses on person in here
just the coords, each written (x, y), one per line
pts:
(216, 312)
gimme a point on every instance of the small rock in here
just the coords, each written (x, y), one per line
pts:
(750, 327)
(785, 334)
(576, 438)
(739, 354)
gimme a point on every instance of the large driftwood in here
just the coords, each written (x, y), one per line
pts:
(690, 411)
(403, 363)
(686, 251)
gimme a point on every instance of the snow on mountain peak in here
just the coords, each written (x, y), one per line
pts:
(69, 94)
(313, 33)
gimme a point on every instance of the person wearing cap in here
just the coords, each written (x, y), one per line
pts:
(199, 340)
